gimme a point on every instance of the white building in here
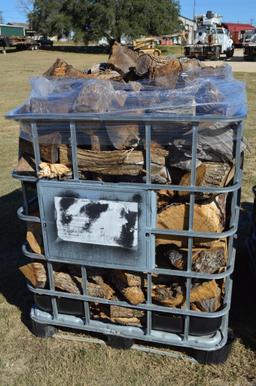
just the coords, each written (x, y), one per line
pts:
(189, 28)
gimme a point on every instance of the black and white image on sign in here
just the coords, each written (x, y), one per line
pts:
(101, 222)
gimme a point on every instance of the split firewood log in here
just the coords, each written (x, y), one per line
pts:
(34, 236)
(116, 162)
(73, 284)
(48, 170)
(207, 260)
(98, 96)
(120, 315)
(25, 165)
(206, 297)
(207, 218)
(35, 273)
(124, 136)
(124, 312)
(212, 174)
(122, 59)
(166, 75)
(147, 62)
(127, 278)
(129, 285)
(61, 69)
(175, 296)
(48, 147)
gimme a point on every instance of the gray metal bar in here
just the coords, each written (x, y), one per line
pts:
(84, 285)
(25, 217)
(145, 307)
(36, 146)
(204, 235)
(23, 177)
(148, 153)
(149, 116)
(140, 186)
(149, 301)
(73, 139)
(190, 226)
(52, 288)
(159, 271)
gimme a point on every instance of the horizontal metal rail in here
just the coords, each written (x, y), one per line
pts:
(143, 307)
(143, 186)
(162, 271)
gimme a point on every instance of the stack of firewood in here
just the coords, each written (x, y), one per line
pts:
(116, 153)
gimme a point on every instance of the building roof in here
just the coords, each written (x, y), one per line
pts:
(238, 27)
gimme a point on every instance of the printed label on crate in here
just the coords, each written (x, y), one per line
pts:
(101, 222)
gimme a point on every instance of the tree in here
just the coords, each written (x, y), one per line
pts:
(50, 17)
(132, 18)
(112, 19)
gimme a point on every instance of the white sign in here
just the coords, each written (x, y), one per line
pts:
(102, 222)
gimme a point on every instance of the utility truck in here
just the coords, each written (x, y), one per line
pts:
(211, 39)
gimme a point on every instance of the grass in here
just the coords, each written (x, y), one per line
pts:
(172, 50)
(30, 361)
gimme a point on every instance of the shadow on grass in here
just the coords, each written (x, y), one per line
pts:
(243, 310)
(12, 230)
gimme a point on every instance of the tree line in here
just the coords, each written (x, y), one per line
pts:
(91, 20)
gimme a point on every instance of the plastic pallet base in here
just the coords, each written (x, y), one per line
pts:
(203, 357)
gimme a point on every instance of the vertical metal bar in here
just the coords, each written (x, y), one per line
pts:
(73, 139)
(235, 197)
(52, 288)
(36, 146)
(238, 141)
(148, 153)
(84, 286)
(25, 197)
(190, 225)
(149, 302)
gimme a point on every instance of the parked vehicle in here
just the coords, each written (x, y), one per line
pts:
(211, 39)
(44, 41)
(17, 37)
(250, 46)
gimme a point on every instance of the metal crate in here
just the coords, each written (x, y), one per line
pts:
(142, 258)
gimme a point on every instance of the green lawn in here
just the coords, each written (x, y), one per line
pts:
(30, 361)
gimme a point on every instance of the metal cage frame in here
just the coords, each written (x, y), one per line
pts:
(208, 342)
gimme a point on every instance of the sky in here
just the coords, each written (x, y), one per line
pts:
(232, 10)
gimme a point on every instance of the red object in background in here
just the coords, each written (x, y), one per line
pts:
(236, 30)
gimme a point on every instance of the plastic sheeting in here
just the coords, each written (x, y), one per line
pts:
(201, 91)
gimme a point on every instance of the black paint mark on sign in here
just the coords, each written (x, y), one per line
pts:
(93, 210)
(65, 204)
(126, 237)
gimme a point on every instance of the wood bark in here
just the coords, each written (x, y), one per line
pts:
(34, 237)
(48, 147)
(122, 59)
(73, 284)
(35, 273)
(115, 163)
(208, 260)
(176, 297)
(207, 218)
(124, 136)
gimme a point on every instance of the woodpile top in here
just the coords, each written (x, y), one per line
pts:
(139, 84)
